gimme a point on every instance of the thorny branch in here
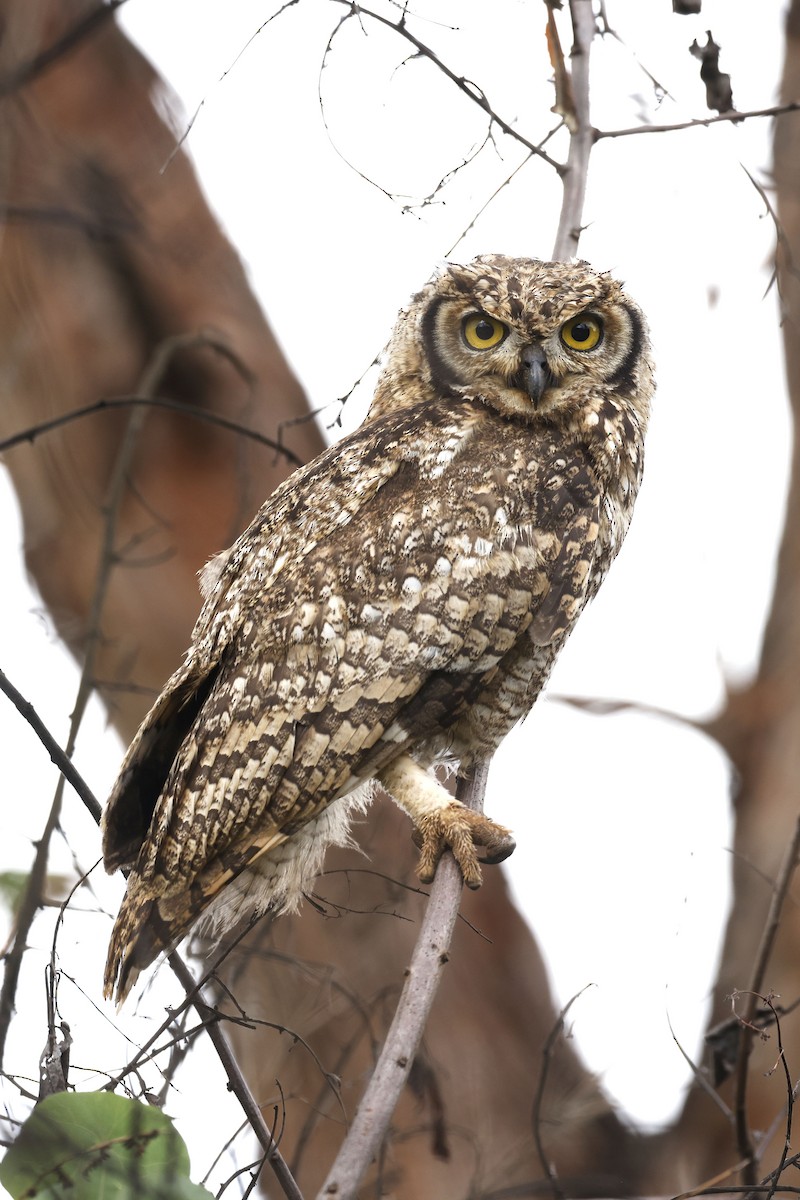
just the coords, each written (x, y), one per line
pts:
(150, 381)
(469, 89)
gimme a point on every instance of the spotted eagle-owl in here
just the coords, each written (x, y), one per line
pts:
(397, 602)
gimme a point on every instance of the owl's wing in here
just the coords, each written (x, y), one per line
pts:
(274, 741)
(570, 506)
(314, 502)
(127, 814)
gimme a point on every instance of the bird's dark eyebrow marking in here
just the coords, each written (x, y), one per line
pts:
(622, 378)
(439, 370)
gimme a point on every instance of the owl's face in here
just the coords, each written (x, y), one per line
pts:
(532, 339)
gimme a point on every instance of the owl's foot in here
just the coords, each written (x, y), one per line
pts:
(460, 830)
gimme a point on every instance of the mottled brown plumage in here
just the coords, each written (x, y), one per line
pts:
(399, 601)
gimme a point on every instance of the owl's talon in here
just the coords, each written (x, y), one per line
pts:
(460, 830)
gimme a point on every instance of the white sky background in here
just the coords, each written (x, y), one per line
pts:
(622, 822)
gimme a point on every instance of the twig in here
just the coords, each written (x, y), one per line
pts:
(208, 1015)
(581, 138)
(776, 110)
(779, 893)
(116, 489)
(787, 1141)
(547, 1054)
(236, 1080)
(117, 402)
(57, 755)
(700, 1076)
(397, 1055)
(464, 85)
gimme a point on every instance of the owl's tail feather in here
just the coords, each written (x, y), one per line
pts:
(148, 925)
(141, 933)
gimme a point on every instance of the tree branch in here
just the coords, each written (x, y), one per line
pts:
(422, 980)
(57, 755)
(753, 994)
(776, 110)
(236, 1080)
(208, 1015)
(581, 137)
(464, 85)
(538, 1102)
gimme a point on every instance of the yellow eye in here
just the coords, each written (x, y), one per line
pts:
(583, 332)
(481, 332)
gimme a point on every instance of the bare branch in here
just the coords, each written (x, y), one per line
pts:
(236, 1080)
(57, 755)
(779, 893)
(776, 110)
(581, 137)
(464, 85)
(391, 1072)
(547, 1055)
(31, 899)
(209, 1016)
(787, 1141)
(189, 410)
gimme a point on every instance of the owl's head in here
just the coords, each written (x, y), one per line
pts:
(533, 340)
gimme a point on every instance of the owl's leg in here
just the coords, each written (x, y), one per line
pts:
(442, 823)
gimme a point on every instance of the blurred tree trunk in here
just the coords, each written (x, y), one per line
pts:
(103, 256)
(760, 730)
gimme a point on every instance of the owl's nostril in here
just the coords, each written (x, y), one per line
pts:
(534, 376)
(533, 355)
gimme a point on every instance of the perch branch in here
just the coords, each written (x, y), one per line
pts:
(581, 137)
(394, 1063)
(383, 1091)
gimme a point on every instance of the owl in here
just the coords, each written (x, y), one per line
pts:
(397, 603)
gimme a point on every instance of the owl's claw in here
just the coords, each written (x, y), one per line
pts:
(460, 830)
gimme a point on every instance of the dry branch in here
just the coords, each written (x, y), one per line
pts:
(466, 86)
(380, 1099)
(753, 994)
(581, 136)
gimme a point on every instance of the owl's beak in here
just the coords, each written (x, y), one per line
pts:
(535, 376)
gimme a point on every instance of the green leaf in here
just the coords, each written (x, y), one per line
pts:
(14, 883)
(96, 1146)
